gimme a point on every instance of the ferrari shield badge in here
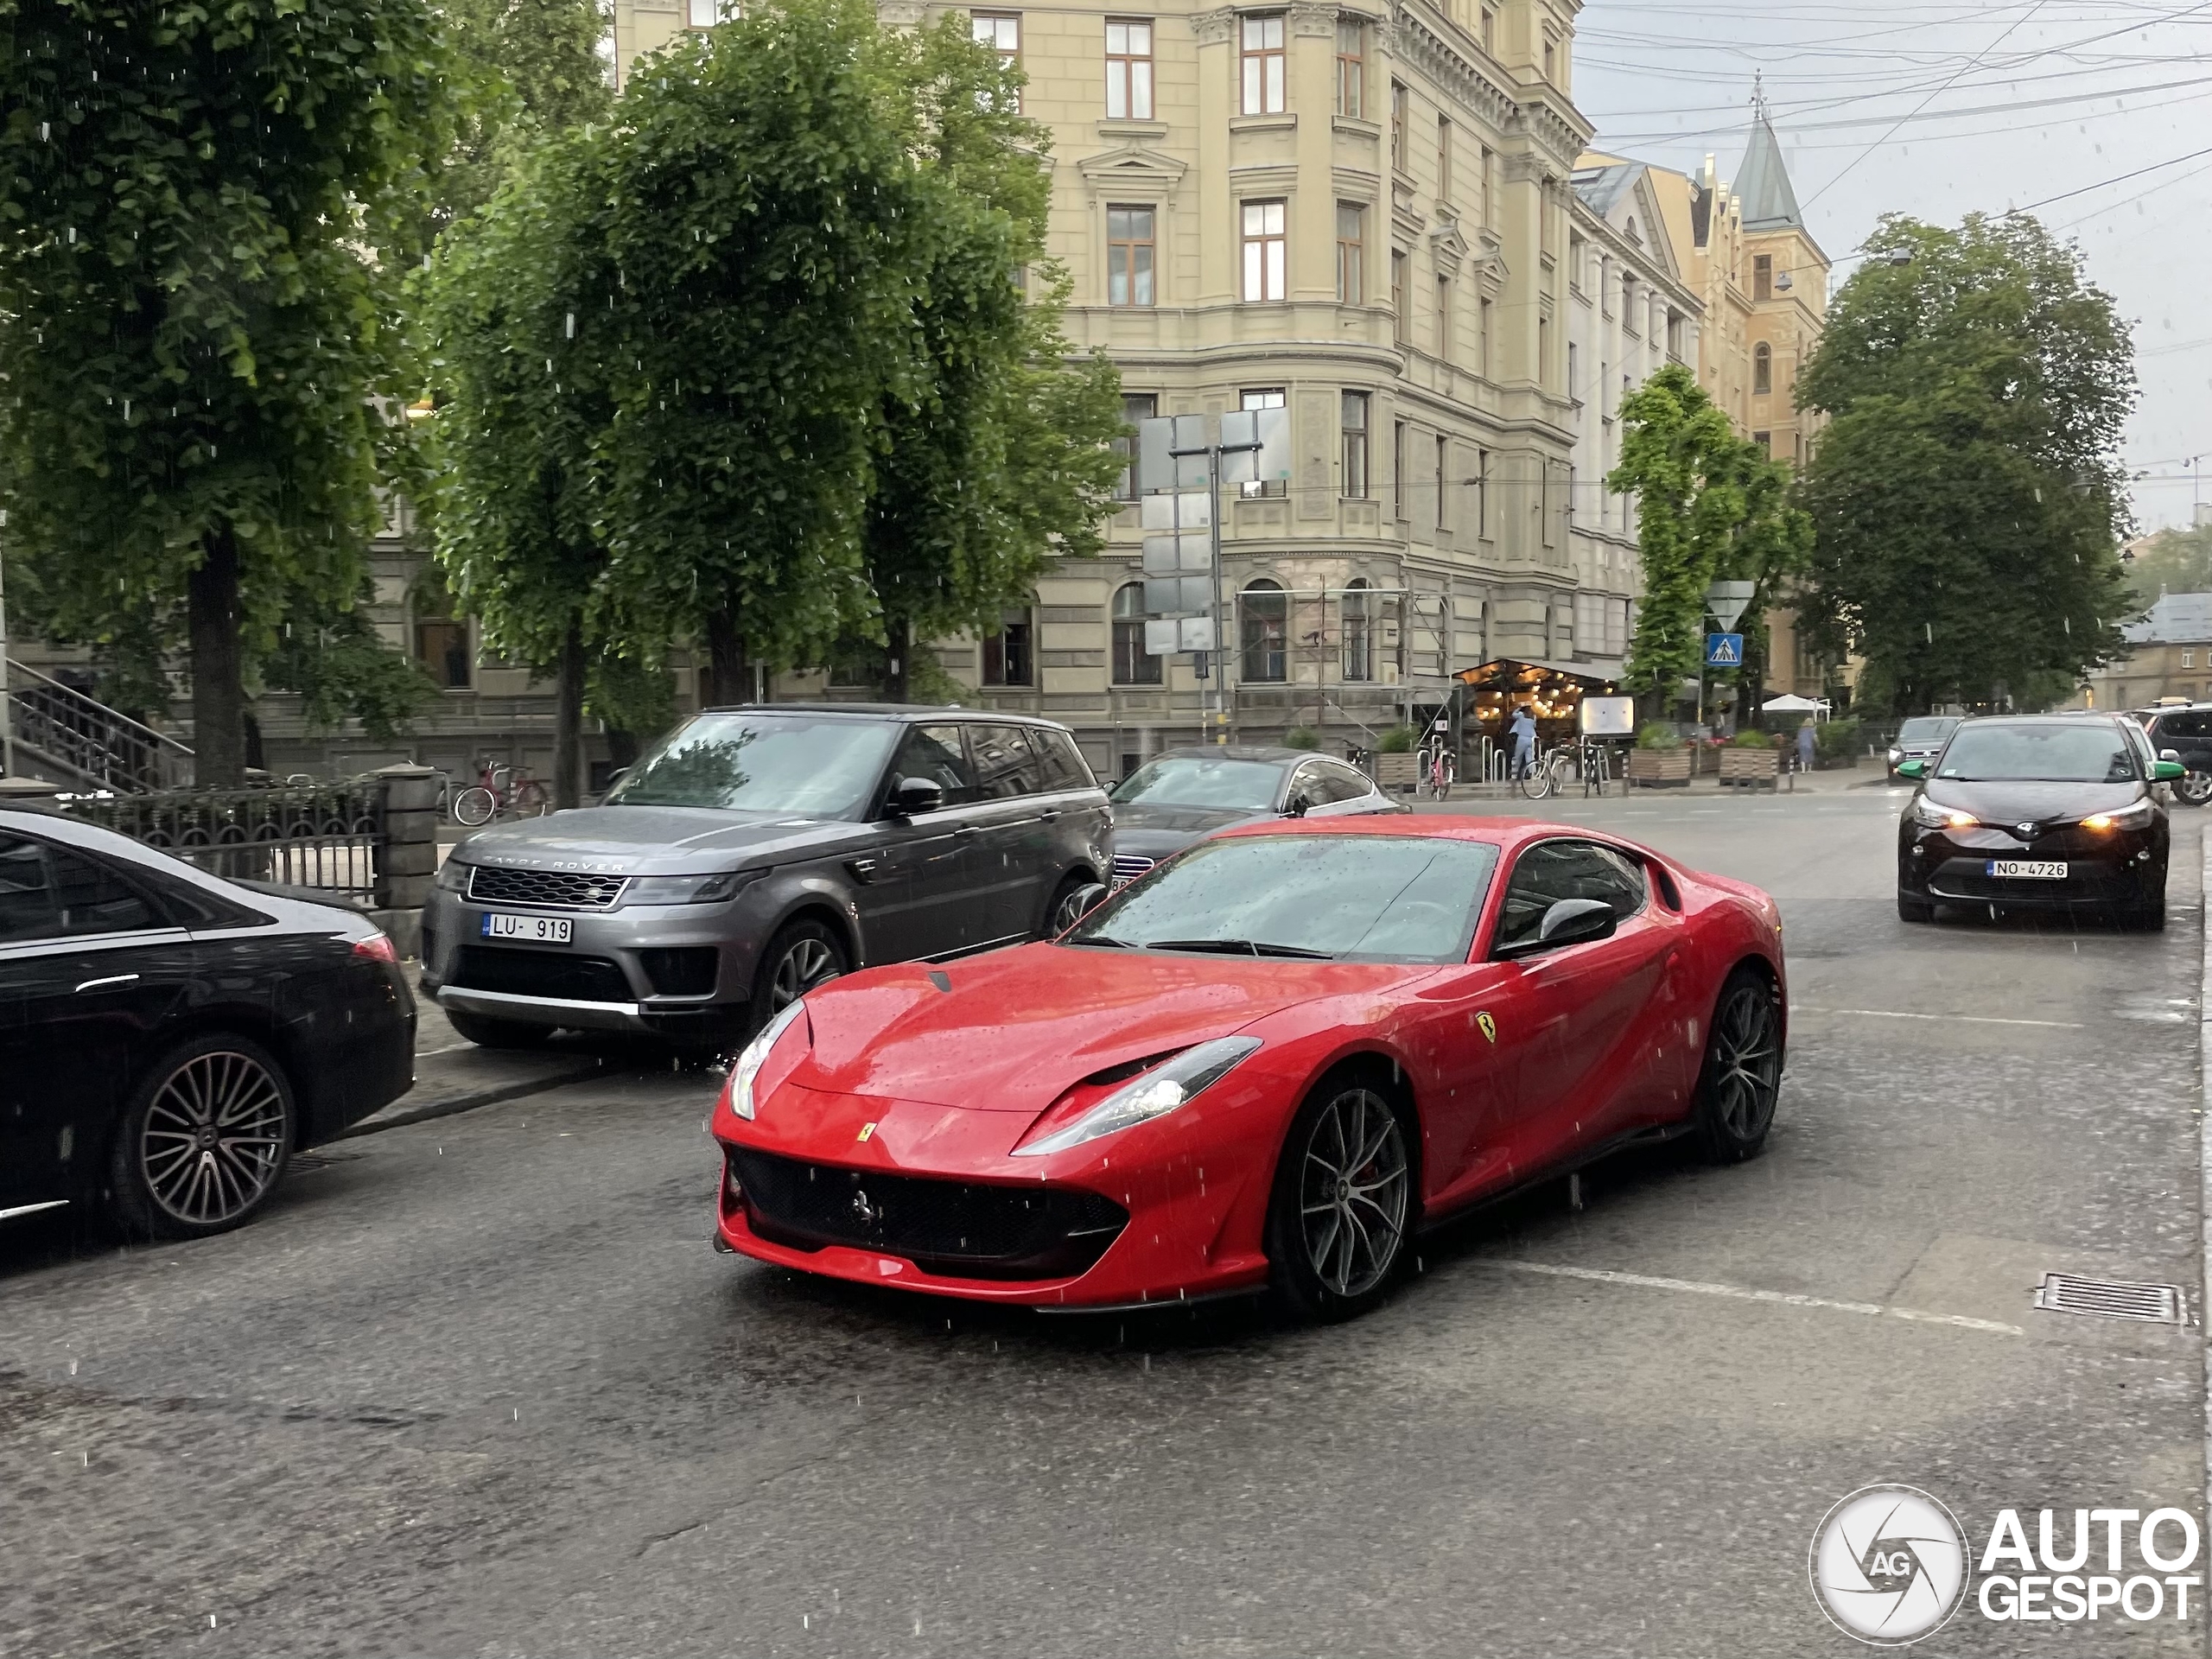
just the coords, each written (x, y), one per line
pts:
(1489, 1026)
(867, 1129)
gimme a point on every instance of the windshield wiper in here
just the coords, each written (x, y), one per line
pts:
(1103, 938)
(1240, 947)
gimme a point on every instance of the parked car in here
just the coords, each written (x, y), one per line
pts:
(2183, 734)
(1271, 1063)
(168, 1040)
(1920, 739)
(754, 854)
(1185, 795)
(2049, 812)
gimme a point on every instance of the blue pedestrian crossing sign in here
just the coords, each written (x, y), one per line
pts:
(1723, 651)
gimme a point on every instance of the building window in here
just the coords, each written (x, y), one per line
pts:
(1398, 125)
(1444, 318)
(1265, 251)
(1761, 368)
(1263, 397)
(1128, 256)
(442, 646)
(1266, 624)
(1398, 468)
(1358, 631)
(705, 14)
(1352, 68)
(1762, 276)
(1543, 351)
(1136, 406)
(1490, 186)
(1443, 464)
(1482, 345)
(2188, 659)
(1355, 426)
(1443, 159)
(1551, 61)
(1482, 494)
(1132, 664)
(1765, 441)
(1000, 30)
(1490, 31)
(1264, 66)
(1573, 371)
(1129, 70)
(1351, 253)
(1401, 325)
(1006, 658)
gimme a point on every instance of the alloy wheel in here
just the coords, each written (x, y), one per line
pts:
(805, 965)
(1067, 913)
(214, 1138)
(1746, 1061)
(2194, 789)
(1352, 1192)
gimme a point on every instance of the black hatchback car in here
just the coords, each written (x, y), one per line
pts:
(168, 1040)
(2054, 812)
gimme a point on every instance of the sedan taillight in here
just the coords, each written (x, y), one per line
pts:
(376, 948)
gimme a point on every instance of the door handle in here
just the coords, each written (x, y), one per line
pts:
(112, 979)
(1051, 814)
(965, 830)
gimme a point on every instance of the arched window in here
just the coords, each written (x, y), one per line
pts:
(1132, 664)
(1266, 618)
(1359, 640)
(1762, 368)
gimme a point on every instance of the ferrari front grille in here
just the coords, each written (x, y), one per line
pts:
(959, 1229)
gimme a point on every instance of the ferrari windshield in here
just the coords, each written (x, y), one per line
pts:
(1203, 780)
(819, 765)
(1354, 898)
(2065, 752)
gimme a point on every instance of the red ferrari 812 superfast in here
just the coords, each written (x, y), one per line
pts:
(1268, 1065)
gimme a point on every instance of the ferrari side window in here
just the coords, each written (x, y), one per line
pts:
(1553, 870)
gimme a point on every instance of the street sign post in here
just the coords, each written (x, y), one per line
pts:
(1727, 600)
(1723, 651)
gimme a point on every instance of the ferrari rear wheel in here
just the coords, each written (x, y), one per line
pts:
(1343, 1194)
(1736, 1090)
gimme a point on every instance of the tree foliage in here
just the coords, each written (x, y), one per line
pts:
(2172, 562)
(531, 69)
(1968, 495)
(1710, 507)
(203, 218)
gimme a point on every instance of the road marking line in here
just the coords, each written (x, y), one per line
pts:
(1743, 1293)
(1962, 1019)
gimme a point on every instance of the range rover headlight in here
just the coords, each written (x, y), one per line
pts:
(453, 876)
(1155, 1094)
(685, 889)
(746, 1071)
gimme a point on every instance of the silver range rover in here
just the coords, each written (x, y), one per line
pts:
(757, 852)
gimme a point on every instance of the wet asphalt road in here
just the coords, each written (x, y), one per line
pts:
(480, 1385)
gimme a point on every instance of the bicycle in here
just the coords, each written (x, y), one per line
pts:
(1437, 772)
(1596, 765)
(1546, 776)
(500, 792)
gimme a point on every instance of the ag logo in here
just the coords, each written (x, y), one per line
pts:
(1489, 1026)
(1889, 1566)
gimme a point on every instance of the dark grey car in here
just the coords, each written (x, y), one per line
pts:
(1185, 795)
(756, 853)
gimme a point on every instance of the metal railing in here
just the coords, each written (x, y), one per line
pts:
(70, 731)
(325, 835)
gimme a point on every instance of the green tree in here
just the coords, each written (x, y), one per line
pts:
(1967, 496)
(1710, 507)
(203, 216)
(2172, 562)
(533, 69)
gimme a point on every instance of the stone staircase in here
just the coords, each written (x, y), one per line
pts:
(67, 737)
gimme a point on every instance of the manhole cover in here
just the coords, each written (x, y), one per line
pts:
(2111, 1299)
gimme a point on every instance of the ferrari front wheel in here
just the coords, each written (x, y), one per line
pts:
(1742, 1074)
(1343, 1194)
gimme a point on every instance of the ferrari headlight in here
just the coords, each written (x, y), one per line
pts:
(2128, 817)
(685, 889)
(1155, 1094)
(1942, 818)
(747, 1069)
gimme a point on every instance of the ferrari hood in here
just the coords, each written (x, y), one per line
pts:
(1018, 1027)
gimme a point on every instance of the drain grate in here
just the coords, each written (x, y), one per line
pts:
(2111, 1299)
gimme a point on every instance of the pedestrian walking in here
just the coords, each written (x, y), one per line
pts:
(1805, 747)
(1524, 728)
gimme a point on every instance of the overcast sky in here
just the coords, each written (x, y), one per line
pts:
(1940, 108)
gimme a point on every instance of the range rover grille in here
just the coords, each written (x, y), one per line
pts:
(491, 884)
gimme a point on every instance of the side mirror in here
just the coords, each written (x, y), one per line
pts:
(1298, 807)
(2169, 754)
(1570, 921)
(1912, 768)
(911, 797)
(2169, 771)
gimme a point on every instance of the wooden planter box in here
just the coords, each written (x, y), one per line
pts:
(1659, 768)
(1397, 772)
(1750, 768)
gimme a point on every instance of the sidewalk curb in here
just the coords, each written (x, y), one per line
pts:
(469, 1102)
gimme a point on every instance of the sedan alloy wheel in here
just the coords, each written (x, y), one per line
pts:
(215, 1138)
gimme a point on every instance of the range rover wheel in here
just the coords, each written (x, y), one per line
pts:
(204, 1138)
(497, 1033)
(803, 955)
(1071, 900)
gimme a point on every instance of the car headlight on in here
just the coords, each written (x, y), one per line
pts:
(685, 889)
(1942, 818)
(2128, 817)
(453, 876)
(1896, 755)
(1155, 1094)
(746, 1071)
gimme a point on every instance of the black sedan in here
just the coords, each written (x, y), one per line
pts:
(168, 1040)
(1185, 795)
(2057, 813)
